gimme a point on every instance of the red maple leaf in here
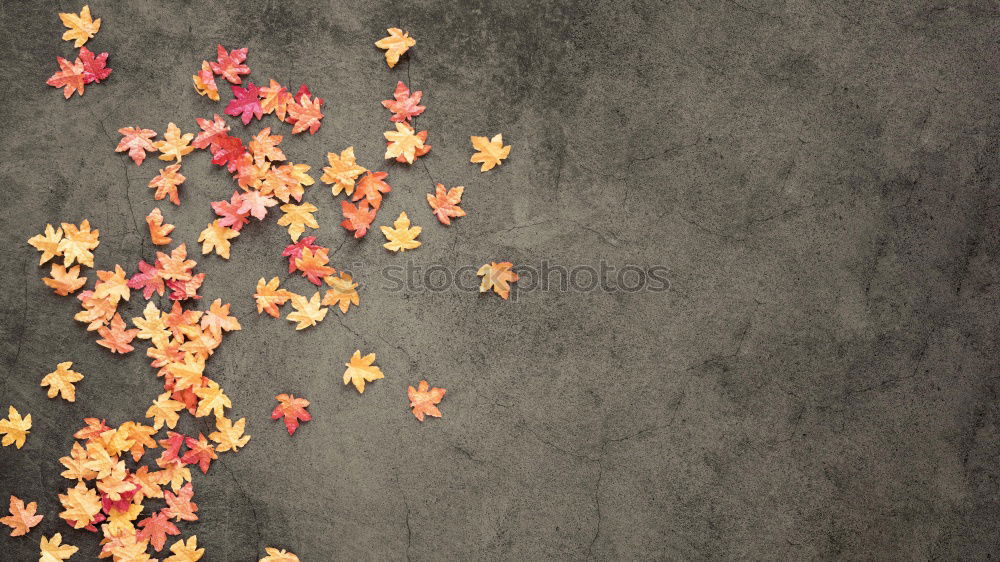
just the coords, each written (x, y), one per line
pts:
(292, 409)
(294, 251)
(230, 212)
(155, 529)
(186, 289)
(245, 103)
(405, 106)
(357, 218)
(94, 69)
(172, 446)
(230, 65)
(148, 279)
(199, 452)
(371, 186)
(226, 151)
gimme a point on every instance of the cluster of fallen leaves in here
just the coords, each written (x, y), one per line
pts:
(131, 496)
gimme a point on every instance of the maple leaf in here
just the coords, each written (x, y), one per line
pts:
(360, 370)
(200, 451)
(176, 265)
(152, 326)
(245, 103)
(230, 213)
(94, 428)
(94, 68)
(404, 105)
(174, 145)
(269, 297)
(402, 142)
(292, 409)
(79, 28)
(227, 151)
(158, 230)
(212, 400)
(397, 43)
(496, 276)
(423, 400)
(14, 428)
(164, 411)
(342, 171)
(255, 204)
(204, 82)
(22, 517)
(211, 132)
(217, 236)
(287, 181)
(294, 251)
(275, 555)
(48, 243)
(77, 243)
(136, 141)
(60, 381)
(371, 187)
(217, 319)
(75, 464)
(490, 151)
(305, 114)
(52, 550)
(112, 285)
(69, 77)
(444, 204)
(401, 236)
(307, 311)
(180, 506)
(275, 99)
(81, 504)
(64, 281)
(313, 265)
(185, 551)
(343, 292)
(230, 65)
(297, 217)
(229, 435)
(155, 529)
(417, 153)
(167, 182)
(357, 218)
(116, 338)
(264, 146)
(148, 279)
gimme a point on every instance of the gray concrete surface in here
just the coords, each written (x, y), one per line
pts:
(818, 177)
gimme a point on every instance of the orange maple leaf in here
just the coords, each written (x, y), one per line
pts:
(22, 517)
(497, 276)
(292, 409)
(397, 43)
(444, 204)
(117, 338)
(269, 297)
(180, 506)
(69, 77)
(136, 141)
(313, 265)
(158, 230)
(306, 114)
(343, 292)
(423, 400)
(61, 381)
(65, 282)
(204, 82)
(275, 98)
(167, 182)
(357, 218)
(371, 187)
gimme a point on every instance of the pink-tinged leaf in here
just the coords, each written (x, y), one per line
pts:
(357, 219)
(230, 212)
(246, 103)
(256, 204)
(148, 279)
(227, 152)
(211, 132)
(404, 106)
(230, 65)
(294, 251)
(94, 68)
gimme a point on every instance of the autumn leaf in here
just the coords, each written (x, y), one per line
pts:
(297, 217)
(371, 187)
(360, 370)
(116, 337)
(158, 230)
(342, 171)
(401, 236)
(402, 142)
(75, 464)
(218, 320)
(230, 65)
(81, 504)
(423, 400)
(275, 555)
(489, 151)
(417, 153)
(155, 529)
(397, 43)
(269, 297)
(357, 218)
(217, 237)
(227, 151)
(69, 77)
(176, 265)
(52, 550)
(14, 428)
(255, 204)
(22, 517)
(294, 250)
(496, 276)
(264, 146)
(229, 435)
(60, 381)
(286, 182)
(185, 551)
(174, 145)
(112, 285)
(313, 265)
(292, 409)
(212, 131)
(94, 67)
(200, 451)
(211, 399)
(179, 505)
(48, 243)
(77, 243)
(306, 114)
(275, 99)
(79, 28)
(245, 103)
(444, 204)
(137, 141)
(307, 311)
(64, 281)
(404, 105)
(164, 411)
(343, 292)
(148, 279)
(204, 82)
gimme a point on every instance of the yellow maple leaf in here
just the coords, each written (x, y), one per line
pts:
(497, 276)
(60, 381)
(229, 435)
(64, 281)
(52, 550)
(397, 43)
(82, 505)
(80, 27)
(401, 236)
(343, 292)
(490, 151)
(152, 325)
(342, 171)
(174, 145)
(48, 243)
(78, 242)
(269, 297)
(185, 551)
(360, 370)
(297, 217)
(15, 428)
(216, 236)
(112, 285)
(212, 399)
(75, 464)
(164, 411)
(403, 142)
(275, 555)
(307, 311)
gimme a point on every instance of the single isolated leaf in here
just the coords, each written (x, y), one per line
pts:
(404, 105)
(14, 428)
(217, 237)
(397, 43)
(275, 555)
(245, 103)
(48, 243)
(52, 550)
(167, 182)
(174, 145)
(360, 370)
(65, 281)
(137, 141)
(94, 67)
(229, 436)
(77, 243)
(402, 142)
(269, 297)
(116, 337)
(423, 400)
(22, 517)
(185, 551)
(204, 82)
(371, 187)
(60, 381)
(159, 231)
(444, 204)
(489, 151)
(342, 171)
(297, 217)
(69, 77)
(80, 28)
(342, 292)
(230, 65)
(496, 276)
(307, 311)
(292, 409)
(401, 236)
(357, 219)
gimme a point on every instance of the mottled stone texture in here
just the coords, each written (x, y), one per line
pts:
(818, 177)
